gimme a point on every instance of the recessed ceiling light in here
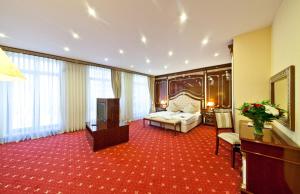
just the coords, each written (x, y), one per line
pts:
(166, 67)
(2, 35)
(216, 54)
(91, 11)
(106, 59)
(121, 51)
(204, 41)
(148, 61)
(186, 62)
(75, 35)
(144, 39)
(183, 17)
(170, 53)
(66, 48)
(132, 66)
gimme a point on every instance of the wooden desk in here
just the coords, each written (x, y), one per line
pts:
(101, 138)
(270, 165)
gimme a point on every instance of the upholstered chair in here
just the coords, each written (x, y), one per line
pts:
(225, 132)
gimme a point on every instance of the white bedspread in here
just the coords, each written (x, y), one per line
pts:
(184, 117)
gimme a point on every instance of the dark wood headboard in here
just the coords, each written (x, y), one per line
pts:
(191, 84)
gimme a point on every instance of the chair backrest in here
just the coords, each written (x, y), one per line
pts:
(224, 120)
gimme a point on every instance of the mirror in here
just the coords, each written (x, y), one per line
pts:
(283, 94)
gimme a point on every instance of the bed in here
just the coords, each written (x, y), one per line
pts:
(183, 113)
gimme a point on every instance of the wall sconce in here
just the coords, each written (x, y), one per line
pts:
(227, 75)
(210, 105)
(210, 80)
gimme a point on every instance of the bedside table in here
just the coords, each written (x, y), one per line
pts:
(158, 109)
(208, 117)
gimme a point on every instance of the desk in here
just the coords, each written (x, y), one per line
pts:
(270, 165)
(102, 138)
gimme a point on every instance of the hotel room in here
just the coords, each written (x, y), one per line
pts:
(157, 96)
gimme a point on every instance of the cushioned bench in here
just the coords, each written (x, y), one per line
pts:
(163, 122)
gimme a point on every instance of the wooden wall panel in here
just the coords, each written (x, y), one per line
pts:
(193, 84)
(161, 91)
(219, 87)
(214, 83)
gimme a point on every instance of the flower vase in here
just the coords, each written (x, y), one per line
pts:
(258, 129)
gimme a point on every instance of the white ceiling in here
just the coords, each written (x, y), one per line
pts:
(45, 25)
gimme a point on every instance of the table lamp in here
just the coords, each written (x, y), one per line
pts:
(210, 105)
(8, 70)
(163, 104)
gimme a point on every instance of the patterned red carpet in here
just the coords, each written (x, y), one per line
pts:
(154, 161)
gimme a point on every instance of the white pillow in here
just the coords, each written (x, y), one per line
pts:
(172, 107)
(190, 109)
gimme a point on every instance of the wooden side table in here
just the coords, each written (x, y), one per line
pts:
(208, 117)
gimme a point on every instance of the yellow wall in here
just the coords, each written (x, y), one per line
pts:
(251, 68)
(286, 50)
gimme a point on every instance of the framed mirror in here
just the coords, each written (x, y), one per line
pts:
(282, 87)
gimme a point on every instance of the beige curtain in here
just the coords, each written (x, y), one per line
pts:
(116, 83)
(126, 110)
(151, 82)
(75, 102)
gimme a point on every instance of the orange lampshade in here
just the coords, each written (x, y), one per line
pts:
(210, 104)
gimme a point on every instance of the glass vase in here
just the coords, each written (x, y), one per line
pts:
(258, 128)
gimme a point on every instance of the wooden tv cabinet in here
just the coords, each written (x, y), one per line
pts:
(101, 138)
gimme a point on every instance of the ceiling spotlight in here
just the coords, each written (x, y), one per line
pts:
(166, 67)
(204, 41)
(186, 62)
(170, 53)
(2, 35)
(183, 17)
(67, 49)
(148, 61)
(216, 54)
(91, 11)
(106, 59)
(144, 39)
(75, 35)
(121, 51)
(131, 66)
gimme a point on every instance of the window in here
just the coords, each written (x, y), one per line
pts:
(32, 108)
(141, 97)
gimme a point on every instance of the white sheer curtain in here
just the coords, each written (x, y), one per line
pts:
(98, 86)
(135, 98)
(141, 96)
(32, 108)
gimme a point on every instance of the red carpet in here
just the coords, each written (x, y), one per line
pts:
(154, 161)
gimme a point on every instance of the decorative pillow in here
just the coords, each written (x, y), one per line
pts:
(190, 109)
(172, 107)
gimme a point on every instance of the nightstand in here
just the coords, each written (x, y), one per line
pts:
(208, 117)
(158, 109)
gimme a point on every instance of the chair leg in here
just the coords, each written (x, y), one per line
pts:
(217, 146)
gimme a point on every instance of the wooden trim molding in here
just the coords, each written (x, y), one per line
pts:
(71, 60)
(195, 70)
